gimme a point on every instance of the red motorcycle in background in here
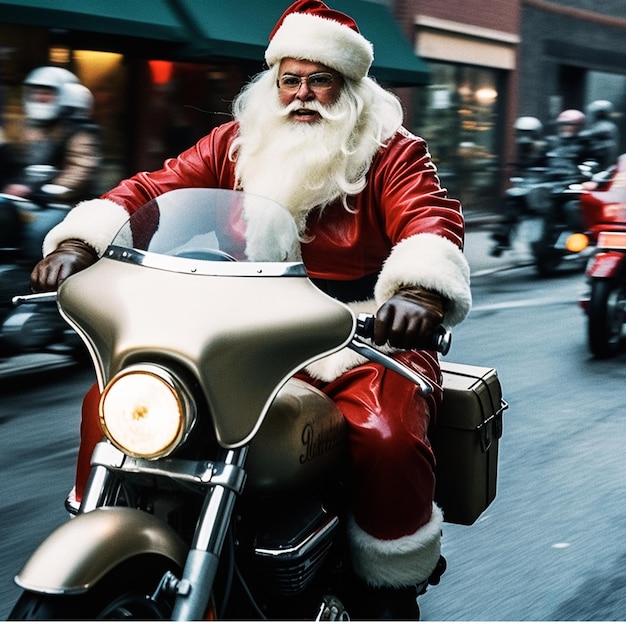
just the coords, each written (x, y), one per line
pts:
(603, 208)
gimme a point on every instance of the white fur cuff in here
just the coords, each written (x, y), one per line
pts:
(397, 562)
(431, 262)
(95, 222)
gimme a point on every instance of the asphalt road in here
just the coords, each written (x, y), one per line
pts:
(548, 548)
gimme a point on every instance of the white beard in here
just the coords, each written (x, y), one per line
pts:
(302, 165)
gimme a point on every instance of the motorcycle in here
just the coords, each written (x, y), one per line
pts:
(219, 490)
(543, 206)
(604, 212)
(30, 328)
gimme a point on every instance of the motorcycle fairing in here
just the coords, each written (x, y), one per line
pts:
(166, 301)
(84, 549)
(606, 264)
(221, 337)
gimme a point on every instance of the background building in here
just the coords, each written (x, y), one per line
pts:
(465, 112)
(572, 53)
(164, 72)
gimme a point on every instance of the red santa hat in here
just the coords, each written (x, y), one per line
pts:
(311, 31)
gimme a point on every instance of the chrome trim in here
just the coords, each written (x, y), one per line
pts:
(203, 268)
(35, 298)
(294, 552)
(370, 353)
(198, 472)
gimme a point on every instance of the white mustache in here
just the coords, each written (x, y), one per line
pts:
(312, 105)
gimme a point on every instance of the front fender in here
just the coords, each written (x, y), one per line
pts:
(81, 551)
(606, 264)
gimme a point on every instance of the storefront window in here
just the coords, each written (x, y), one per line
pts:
(458, 117)
(148, 110)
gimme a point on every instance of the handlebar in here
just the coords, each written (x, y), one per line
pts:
(440, 341)
(35, 298)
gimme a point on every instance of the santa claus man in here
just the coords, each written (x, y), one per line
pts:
(317, 134)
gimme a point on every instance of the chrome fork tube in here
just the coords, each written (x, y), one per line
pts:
(194, 590)
(96, 490)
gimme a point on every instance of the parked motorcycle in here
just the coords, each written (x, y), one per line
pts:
(604, 212)
(219, 490)
(30, 328)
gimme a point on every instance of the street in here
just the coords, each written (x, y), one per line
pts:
(549, 546)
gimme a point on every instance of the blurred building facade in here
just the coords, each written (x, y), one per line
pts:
(472, 50)
(164, 72)
(493, 62)
(572, 53)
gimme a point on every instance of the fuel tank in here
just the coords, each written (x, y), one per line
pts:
(302, 440)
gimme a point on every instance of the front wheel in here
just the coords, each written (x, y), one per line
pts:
(126, 593)
(606, 316)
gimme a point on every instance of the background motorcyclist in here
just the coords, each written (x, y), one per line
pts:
(54, 163)
(569, 147)
(530, 152)
(57, 133)
(316, 134)
(530, 144)
(602, 134)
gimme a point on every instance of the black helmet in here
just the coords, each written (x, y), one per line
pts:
(600, 110)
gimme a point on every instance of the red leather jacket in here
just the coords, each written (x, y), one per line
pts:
(403, 197)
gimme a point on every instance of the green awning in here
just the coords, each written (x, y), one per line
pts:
(200, 29)
(149, 19)
(241, 30)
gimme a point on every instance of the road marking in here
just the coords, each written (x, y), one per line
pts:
(518, 304)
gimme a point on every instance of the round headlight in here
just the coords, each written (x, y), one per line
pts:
(145, 411)
(577, 242)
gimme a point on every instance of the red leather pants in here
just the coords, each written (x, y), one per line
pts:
(392, 462)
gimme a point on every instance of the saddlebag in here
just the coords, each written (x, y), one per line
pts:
(465, 440)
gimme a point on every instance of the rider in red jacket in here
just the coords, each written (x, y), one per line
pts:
(378, 232)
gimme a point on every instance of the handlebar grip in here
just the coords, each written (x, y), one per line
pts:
(440, 341)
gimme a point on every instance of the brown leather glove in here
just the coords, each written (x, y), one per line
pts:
(409, 318)
(71, 256)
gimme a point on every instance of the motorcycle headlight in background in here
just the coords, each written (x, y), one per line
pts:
(577, 242)
(146, 411)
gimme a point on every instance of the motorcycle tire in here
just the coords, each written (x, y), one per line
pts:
(606, 317)
(547, 259)
(124, 594)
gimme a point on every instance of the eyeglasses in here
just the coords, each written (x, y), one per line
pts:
(320, 81)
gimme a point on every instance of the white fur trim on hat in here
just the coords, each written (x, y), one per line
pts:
(321, 40)
(399, 562)
(95, 222)
(431, 262)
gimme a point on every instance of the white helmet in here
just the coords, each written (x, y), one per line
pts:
(52, 78)
(529, 124)
(76, 100)
(527, 129)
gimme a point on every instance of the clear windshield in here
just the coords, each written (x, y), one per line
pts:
(212, 225)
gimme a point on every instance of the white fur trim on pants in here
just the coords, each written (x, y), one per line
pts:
(396, 562)
(95, 222)
(430, 262)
